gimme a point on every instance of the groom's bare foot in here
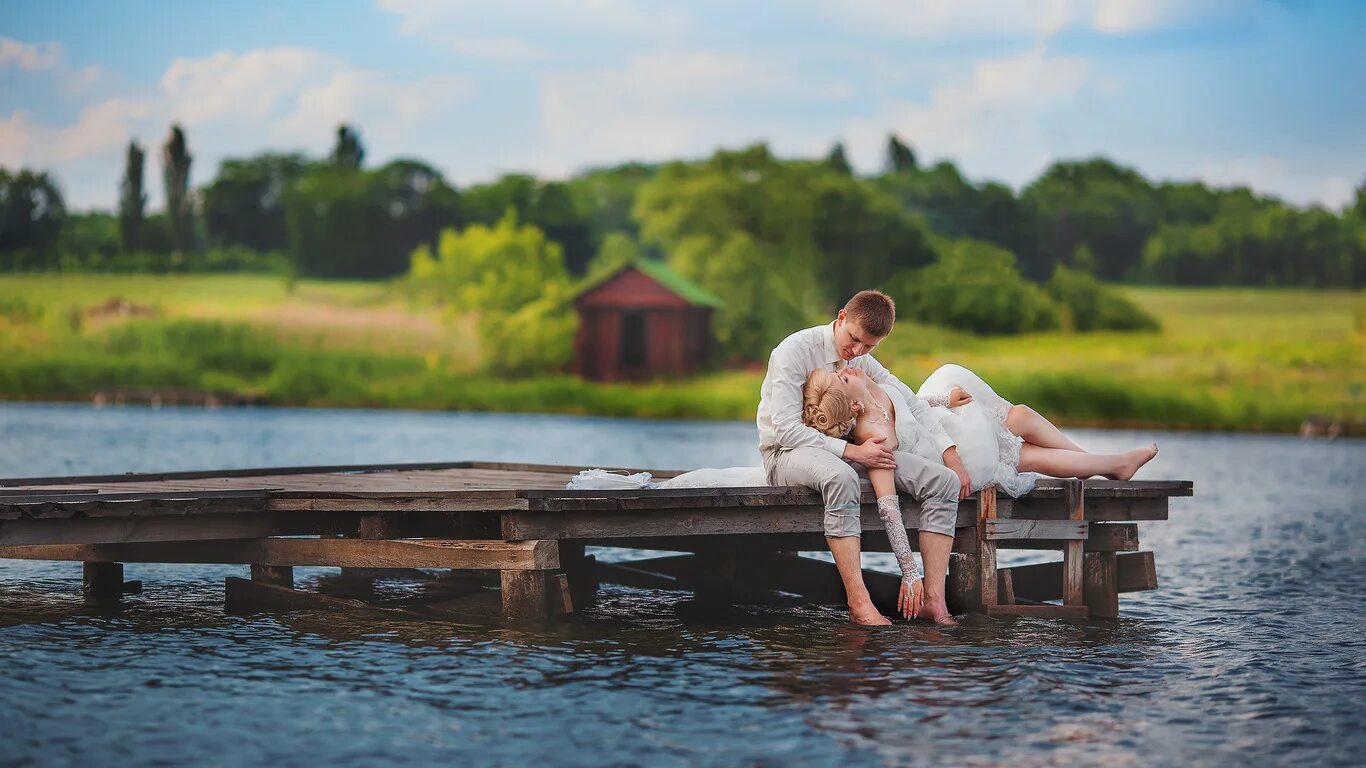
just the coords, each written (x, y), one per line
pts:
(867, 616)
(938, 613)
(1133, 460)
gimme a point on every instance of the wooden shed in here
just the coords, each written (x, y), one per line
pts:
(642, 321)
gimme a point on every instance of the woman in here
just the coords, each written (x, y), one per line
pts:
(999, 443)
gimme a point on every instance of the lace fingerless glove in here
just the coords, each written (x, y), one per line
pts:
(889, 509)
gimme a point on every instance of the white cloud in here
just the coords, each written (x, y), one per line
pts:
(991, 123)
(383, 106)
(248, 86)
(1273, 175)
(98, 128)
(29, 56)
(944, 21)
(529, 30)
(670, 105)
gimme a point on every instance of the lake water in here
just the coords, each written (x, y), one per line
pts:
(1252, 652)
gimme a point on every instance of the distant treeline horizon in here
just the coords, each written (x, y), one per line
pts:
(336, 217)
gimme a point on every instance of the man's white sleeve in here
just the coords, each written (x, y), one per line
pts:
(787, 379)
(919, 409)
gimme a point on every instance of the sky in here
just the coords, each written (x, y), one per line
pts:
(1267, 94)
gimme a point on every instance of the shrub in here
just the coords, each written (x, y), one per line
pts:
(1086, 304)
(974, 286)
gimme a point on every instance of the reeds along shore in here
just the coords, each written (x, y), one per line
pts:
(1225, 359)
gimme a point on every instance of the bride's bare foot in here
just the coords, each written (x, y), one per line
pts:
(867, 616)
(1131, 461)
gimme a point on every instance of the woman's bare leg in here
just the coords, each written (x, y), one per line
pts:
(1035, 429)
(1063, 463)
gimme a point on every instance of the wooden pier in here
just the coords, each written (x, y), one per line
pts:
(514, 526)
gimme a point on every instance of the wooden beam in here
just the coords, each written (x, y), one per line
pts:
(1102, 509)
(1100, 537)
(1039, 611)
(525, 594)
(142, 477)
(354, 553)
(102, 580)
(1134, 572)
(986, 555)
(963, 590)
(279, 575)
(15, 533)
(1100, 584)
(601, 525)
(1013, 529)
(247, 596)
(85, 505)
(1075, 499)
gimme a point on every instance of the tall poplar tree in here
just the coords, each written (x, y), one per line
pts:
(132, 198)
(175, 170)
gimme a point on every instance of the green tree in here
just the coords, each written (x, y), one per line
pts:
(245, 202)
(740, 224)
(1109, 208)
(1086, 304)
(32, 213)
(837, 160)
(900, 156)
(132, 199)
(348, 152)
(175, 170)
(974, 286)
(500, 268)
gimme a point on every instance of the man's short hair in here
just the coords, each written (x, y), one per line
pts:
(873, 311)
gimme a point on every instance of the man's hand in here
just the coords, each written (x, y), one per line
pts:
(871, 454)
(954, 462)
(958, 397)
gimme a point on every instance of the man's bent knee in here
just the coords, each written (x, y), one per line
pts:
(939, 516)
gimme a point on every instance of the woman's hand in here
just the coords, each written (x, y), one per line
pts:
(958, 397)
(911, 598)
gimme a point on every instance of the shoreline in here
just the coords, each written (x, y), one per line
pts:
(1350, 433)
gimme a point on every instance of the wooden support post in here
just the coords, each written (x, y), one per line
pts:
(1100, 587)
(1074, 495)
(986, 551)
(963, 591)
(525, 595)
(279, 575)
(580, 570)
(102, 579)
(371, 526)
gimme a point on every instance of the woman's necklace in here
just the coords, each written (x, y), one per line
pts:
(886, 417)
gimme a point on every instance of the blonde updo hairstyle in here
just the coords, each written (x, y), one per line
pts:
(825, 407)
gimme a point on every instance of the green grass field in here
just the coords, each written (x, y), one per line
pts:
(1233, 359)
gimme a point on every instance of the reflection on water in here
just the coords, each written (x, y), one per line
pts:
(1252, 651)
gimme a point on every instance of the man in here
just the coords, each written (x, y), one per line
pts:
(795, 454)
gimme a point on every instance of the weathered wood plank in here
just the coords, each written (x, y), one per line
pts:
(102, 580)
(1074, 497)
(227, 473)
(1007, 529)
(1100, 584)
(351, 553)
(1134, 572)
(619, 524)
(118, 530)
(448, 501)
(525, 594)
(1100, 537)
(279, 575)
(1039, 611)
(986, 554)
(1097, 509)
(247, 596)
(1052, 487)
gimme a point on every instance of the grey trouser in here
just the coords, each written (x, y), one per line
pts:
(934, 485)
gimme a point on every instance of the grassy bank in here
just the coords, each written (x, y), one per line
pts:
(1225, 359)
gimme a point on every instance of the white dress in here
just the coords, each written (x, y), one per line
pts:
(990, 452)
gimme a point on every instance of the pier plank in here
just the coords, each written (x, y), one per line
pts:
(1002, 529)
(349, 553)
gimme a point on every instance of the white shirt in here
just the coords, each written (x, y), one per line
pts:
(780, 397)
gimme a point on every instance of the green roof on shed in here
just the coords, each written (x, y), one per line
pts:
(662, 274)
